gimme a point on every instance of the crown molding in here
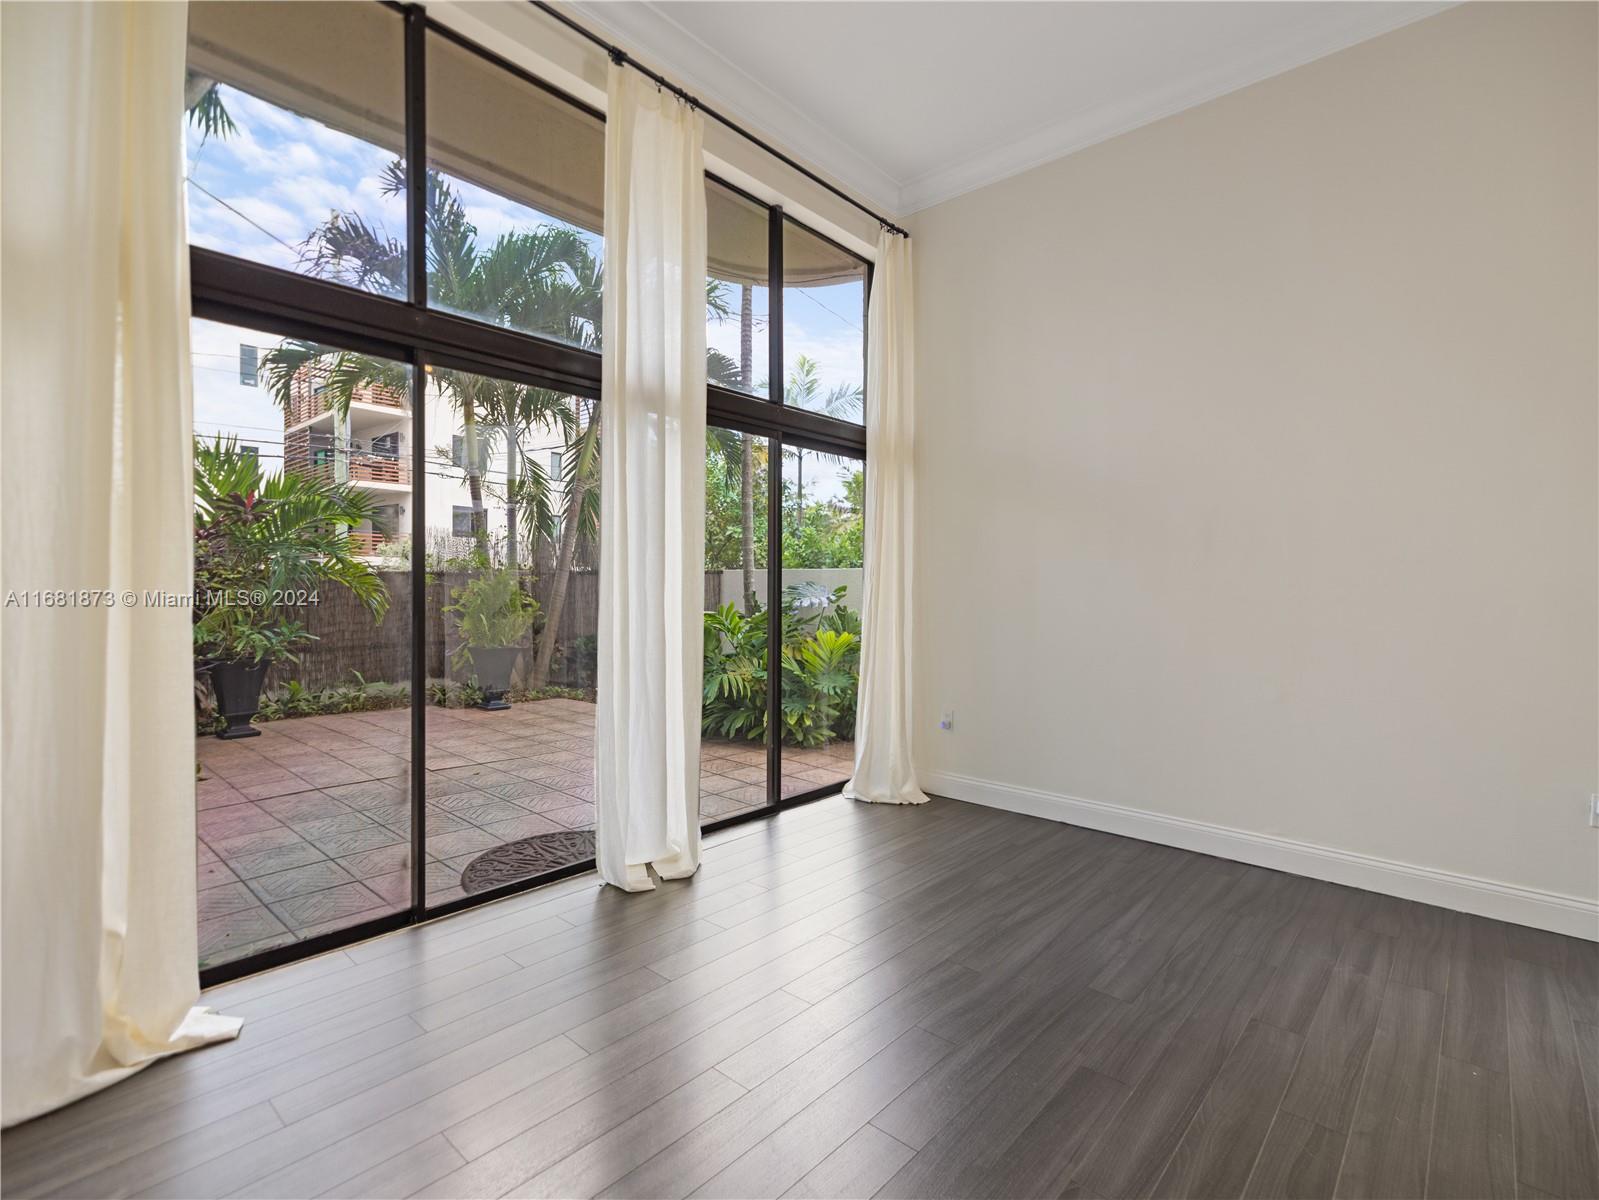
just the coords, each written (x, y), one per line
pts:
(1345, 26)
(647, 29)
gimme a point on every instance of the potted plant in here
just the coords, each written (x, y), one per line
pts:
(240, 648)
(492, 615)
(264, 545)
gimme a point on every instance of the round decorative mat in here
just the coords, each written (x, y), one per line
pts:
(511, 862)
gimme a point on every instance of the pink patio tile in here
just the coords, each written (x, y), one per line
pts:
(578, 816)
(264, 784)
(382, 861)
(213, 791)
(332, 907)
(744, 793)
(371, 794)
(279, 858)
(340, 823)
(232, 846)
(394, 888)
(245, 931)
(483, 815)
(463, 841)
(548, 799)
(520, 827)
(224, 899)
(234, 820)
(297, 881)
(212, 874)
(340, 843)
(306, 806)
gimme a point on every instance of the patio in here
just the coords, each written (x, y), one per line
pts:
(306, 829)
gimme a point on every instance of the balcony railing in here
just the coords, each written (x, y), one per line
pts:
(361, 468)
(310, 394)
(368, 543)
(322, 456)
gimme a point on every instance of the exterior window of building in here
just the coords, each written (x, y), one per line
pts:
(248, 358)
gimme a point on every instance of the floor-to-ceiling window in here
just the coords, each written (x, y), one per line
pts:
(397, 458)
(784, 515)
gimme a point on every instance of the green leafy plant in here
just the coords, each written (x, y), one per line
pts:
(294, 699)
(260, 539)
(820, 664)
(491, 610)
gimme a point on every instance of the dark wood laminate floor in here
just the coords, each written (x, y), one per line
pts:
(859, 1001)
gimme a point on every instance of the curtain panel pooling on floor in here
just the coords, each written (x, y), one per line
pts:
(652, 488)
(98, 791)
(884, 770)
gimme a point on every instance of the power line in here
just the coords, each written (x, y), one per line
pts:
(195, 183)
(806, 293)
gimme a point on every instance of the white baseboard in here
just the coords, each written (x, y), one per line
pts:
(1553, 911)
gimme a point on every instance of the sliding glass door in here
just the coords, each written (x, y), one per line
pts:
(734, 767)
(511, 618)
(822, 578)
(302, 647)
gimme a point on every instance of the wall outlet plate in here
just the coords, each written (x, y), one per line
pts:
(1593, 810)
(947, 721)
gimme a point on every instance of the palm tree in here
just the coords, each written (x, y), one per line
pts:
(547, 279)
(804, 390)
(202, 100)
(721, 369)
(581, 464)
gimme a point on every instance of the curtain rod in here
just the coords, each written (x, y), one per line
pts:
(622, 57)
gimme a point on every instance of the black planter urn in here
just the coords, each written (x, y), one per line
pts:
(493, 666)
(238, 690)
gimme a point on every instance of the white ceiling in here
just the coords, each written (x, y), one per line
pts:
(914, 101)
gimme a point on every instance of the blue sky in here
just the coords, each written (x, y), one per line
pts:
(260, 191)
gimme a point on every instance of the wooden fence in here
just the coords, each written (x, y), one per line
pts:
(350, 642)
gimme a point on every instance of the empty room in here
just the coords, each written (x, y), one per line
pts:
(782, 598)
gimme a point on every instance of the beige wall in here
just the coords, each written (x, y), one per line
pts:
(1278, 417)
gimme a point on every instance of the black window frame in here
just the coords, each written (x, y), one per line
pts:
(285, 303)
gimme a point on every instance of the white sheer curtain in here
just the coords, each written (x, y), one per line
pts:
(98, 807)
(652, 487)
(884, 773)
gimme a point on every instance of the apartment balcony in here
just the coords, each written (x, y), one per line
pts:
(359, 469)
(322, 456)
(368, 544)
(310, 396)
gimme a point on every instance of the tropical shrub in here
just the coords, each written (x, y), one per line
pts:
(264, 541)
(820, 664)
(293, 699)
(491, 610)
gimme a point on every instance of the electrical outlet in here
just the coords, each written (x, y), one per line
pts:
(1593, 810)
(947, 721)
